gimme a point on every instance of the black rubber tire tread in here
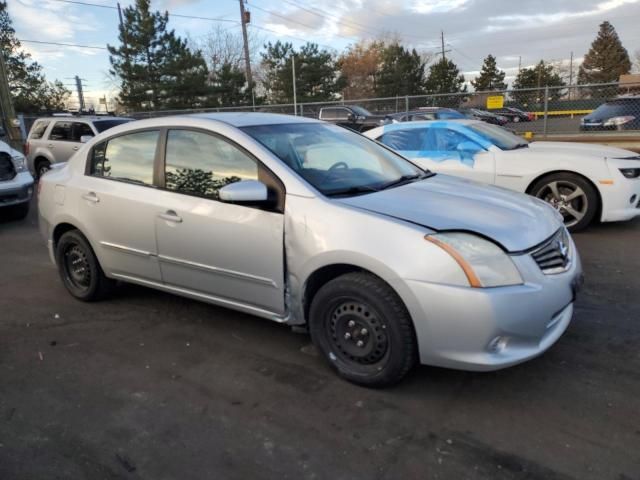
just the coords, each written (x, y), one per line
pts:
(100, 286)
(36, 167)
(587, 187)
(377, 293)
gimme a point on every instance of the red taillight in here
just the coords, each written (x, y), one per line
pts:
(25, 148)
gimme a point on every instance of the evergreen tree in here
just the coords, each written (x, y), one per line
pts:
(317, 74)
(155, 66)
(229, 86)
(606, 60)
(401, 72)
(28, 87)
(537, 78)
(490, 78)
(445, 77)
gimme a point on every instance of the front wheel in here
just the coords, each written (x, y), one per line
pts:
(516, 119)
(572, 195)
(79, 269)
(363, 329)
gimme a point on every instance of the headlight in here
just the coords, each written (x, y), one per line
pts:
(615, 121)
(630, 172)
(19, 163)
(483, 262)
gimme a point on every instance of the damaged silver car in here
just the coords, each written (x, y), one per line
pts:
(306, 223)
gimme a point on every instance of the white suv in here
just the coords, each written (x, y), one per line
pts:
(54, 139)
(16, 184)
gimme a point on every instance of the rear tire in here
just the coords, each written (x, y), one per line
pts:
(42, 166)
(363, 329)
(79, 268)
(572, 195)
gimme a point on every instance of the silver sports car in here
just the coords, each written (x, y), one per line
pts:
(307, 223)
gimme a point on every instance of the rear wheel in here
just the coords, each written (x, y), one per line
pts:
(363, 329)
(42, 167)
(572, 195)
(79, 268)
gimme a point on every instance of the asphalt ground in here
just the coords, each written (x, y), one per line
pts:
(152, 386)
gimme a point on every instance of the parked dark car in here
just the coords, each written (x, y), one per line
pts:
(514, 114)
(619, 114)
(427, 113)
(351, 116)
(485, 116)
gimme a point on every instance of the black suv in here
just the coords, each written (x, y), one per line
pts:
(351, 116)
(622, 113)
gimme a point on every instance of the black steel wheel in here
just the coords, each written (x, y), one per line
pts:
(79, 269)
(363, 329)
(571, 195)
(42, 167)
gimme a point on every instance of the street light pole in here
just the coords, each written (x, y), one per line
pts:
(293, 72)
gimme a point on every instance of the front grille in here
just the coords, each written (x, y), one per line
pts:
(7, 171)
(554, 255)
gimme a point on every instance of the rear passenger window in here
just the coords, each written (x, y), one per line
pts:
(405, 140)
(128, 158)
(38, 129)
(78, 129)
(61, 131)
(201, 164)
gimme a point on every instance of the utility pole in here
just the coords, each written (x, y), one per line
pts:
(442, 38)
(80, 93)
(519, 63)
(245, 17)
(293, 74)
(6, 105)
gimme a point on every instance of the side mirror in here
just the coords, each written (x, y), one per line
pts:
(85, 138)
(468, 147)
(247, 191)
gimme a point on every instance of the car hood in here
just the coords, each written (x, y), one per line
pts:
(514, 220)
(582, 149)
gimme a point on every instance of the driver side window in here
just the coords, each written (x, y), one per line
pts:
(446, 140)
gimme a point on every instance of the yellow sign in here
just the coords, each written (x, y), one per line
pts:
(494, 102)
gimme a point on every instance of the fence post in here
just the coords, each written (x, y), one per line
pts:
(406, 103)
(302, 109)
(546, 109)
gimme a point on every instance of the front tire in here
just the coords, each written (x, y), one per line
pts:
(363, 329)
(516, 119)
(572, 195)
(79, 269)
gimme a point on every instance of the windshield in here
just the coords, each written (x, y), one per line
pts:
(613, 109)
(335, 160)
(501, 138)
(361, 111)
(102, 125)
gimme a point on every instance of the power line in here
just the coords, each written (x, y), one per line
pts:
(62, 44)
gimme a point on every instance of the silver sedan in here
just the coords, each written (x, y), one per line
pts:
(306, 223)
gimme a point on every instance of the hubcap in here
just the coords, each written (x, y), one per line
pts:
(77, 267)
(567, 198)
(357, 333)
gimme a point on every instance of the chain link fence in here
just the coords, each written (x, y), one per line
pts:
(545, 110)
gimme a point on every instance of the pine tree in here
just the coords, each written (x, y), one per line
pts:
(229, 86)
(401, 72)
(606, 60)
(537, 78)
(445, 77)
(155, 66)
(490, 78)
(317, 73)
(29, 89)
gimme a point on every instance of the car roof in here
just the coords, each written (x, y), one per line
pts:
(92, 118)
(246, 119)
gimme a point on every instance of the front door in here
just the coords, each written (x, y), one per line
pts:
(232, 253)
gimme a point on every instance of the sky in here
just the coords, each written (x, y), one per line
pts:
(522, 31)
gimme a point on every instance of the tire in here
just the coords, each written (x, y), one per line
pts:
(42, 166)
(363, 330)
(79, 269)
(558, 189)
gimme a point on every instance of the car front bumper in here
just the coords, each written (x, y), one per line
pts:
(17, 190)
(621, 200)
(487, 329)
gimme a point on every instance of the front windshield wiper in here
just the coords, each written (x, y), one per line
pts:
(405, 179)
(520, 145)
(351, 191)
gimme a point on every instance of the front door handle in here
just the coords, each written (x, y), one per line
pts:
(91, 197)
(170, 216)
(50, 145)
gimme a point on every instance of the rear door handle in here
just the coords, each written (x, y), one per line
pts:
(91, 197)
(170, 216)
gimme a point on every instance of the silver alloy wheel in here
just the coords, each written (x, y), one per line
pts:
(567, 198)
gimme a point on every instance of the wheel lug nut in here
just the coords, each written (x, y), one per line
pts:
(360, 343)
(363, 331)
(351, 323)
